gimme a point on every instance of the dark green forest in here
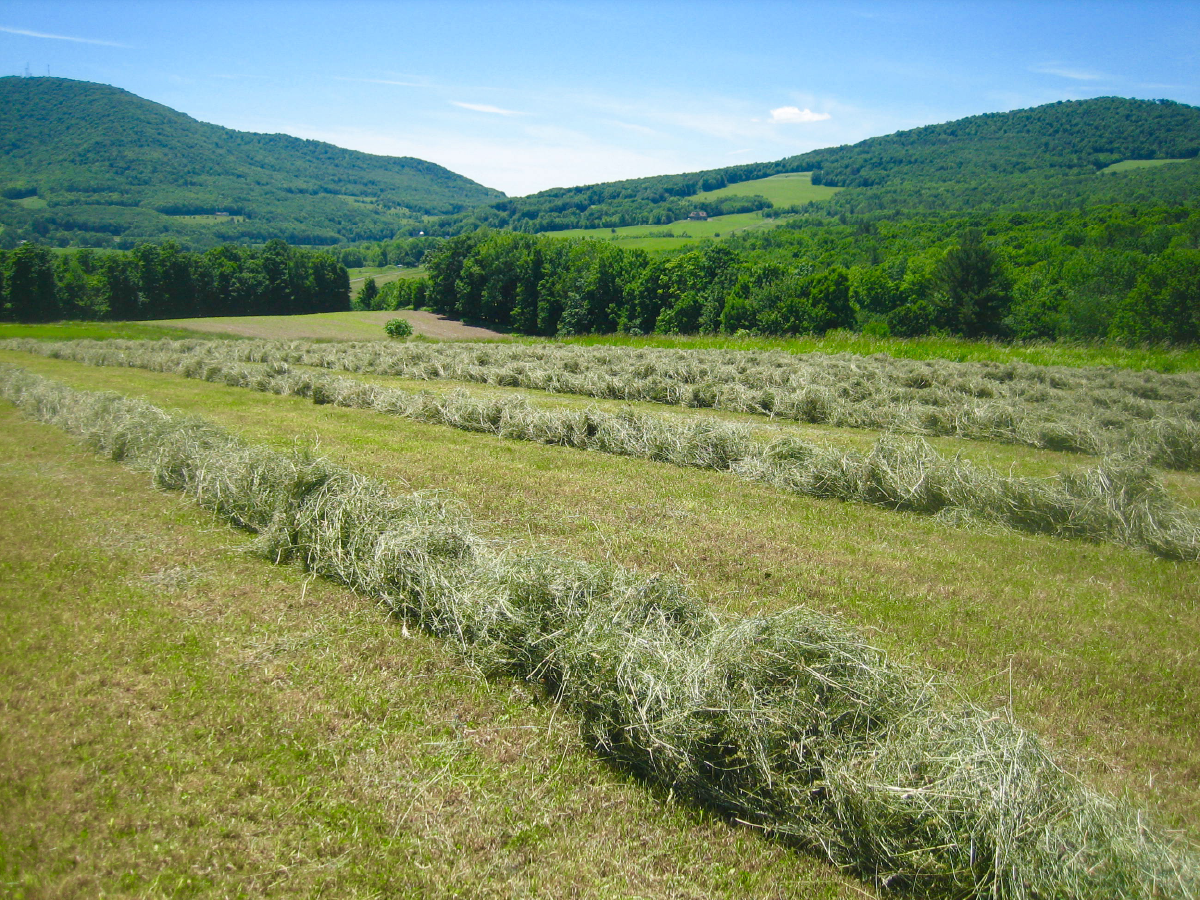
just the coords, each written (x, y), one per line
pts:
(162, 282)
(85, 164)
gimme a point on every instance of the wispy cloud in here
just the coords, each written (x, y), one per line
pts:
(792, 114)
(62, 37)
(485, 108)
(381, 81)
(1069, 72)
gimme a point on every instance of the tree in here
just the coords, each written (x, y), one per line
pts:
(367, 294)
(1164, 306)
(30, 292)
(974, 289)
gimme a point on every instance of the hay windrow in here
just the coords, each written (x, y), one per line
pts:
(1118, 501)
(1094, 411)
(789, 722)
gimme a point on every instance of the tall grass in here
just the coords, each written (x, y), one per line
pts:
(790, 722)
(1119, 501)
(1094, 411)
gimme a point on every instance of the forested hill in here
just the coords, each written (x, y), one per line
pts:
(81, 159)
(1041, 158)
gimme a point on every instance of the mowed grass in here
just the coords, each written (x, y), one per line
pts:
(97, 331)
(178, 718)
(1159, 359)
(1093, 645)
(789, 189)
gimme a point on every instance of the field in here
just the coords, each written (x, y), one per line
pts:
(209, 219)
(340, 326)
(675, 235)
(382, 275)
(791, 189)
(782, 190)
(1128, 164)
(181, 718)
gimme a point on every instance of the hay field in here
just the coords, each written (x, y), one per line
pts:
(1090, 644)
(790, 189)
(339, 326)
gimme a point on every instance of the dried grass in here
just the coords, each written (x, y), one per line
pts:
(790, 723)
(1119, 501)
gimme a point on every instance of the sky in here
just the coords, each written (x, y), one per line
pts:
(524, 96)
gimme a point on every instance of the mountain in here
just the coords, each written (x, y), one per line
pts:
(89, 163)
(1046, 157)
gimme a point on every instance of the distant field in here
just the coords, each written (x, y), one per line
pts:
(783, 190)
(677, 234)
(339, 326)
(213, 219)
(32, 203)
(382, 274)
(1126, 164)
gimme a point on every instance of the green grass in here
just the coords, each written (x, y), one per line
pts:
(382, 275)
(1159, 359)
(1127, 164)
(32, 202)
(790, 189)
(1092, 643)
(180, 719)
(781, 190)
(675, 235)
(97, 331)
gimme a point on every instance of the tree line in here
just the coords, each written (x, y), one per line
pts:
(163, 281)
(1104, 273)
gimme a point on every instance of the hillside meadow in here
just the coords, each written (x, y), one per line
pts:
(1086, 643)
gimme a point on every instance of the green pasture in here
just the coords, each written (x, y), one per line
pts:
(675, 235)
(382, 274)
(32, 202)
(790, 189)
(1126, 165)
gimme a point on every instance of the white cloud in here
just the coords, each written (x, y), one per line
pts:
(485, 108)
(792, 114)
(1069, 72)
(62, 37)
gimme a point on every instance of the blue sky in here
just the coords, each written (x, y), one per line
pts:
(526, 96)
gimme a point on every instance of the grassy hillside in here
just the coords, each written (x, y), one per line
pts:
(86, 159)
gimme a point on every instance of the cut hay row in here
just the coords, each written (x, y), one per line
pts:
(1118, 501)
(1094, 411)
(789, 722)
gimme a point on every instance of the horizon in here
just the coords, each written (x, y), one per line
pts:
(540, 95)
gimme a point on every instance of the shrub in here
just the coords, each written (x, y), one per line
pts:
(398, 328)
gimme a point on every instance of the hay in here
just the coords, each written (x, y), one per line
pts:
(1119, 501)
(790, 722)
